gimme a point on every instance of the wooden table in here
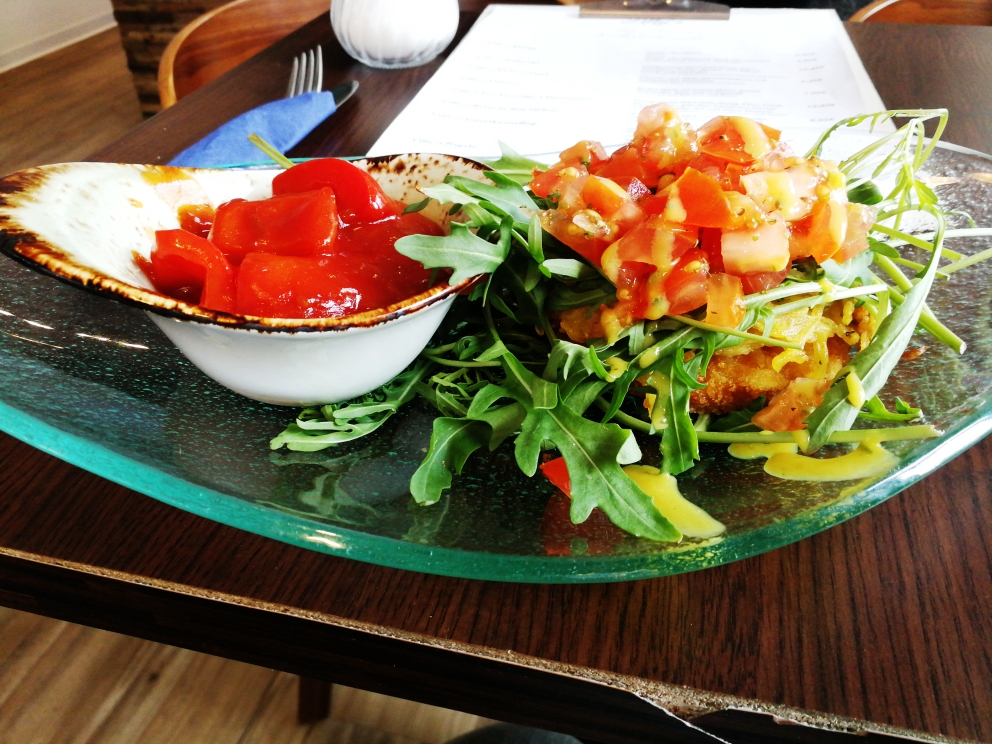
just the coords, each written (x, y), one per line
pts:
(879, 624)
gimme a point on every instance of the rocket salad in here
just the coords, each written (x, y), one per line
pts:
(697, 286)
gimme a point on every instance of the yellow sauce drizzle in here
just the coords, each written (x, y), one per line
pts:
(617, 367)
(756, 143)
(663, 489)
(855, 390)
(868, 460)
(755, 450)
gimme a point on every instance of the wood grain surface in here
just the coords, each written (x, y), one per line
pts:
(883, 619)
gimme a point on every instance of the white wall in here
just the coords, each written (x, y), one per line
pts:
(31, 28)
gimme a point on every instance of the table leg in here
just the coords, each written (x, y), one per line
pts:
(314, 700)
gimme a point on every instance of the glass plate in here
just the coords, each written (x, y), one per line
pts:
(96, 384)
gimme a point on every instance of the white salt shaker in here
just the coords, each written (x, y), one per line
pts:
(394, 33)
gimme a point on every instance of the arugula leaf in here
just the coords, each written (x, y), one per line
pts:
(514, 165)
(878, 412)
(318, 428)
(570, 268)
(446, 193)
(854, 269)
(738, 420)
(507, 197)
(462, 251)
(416, 206)
(591, 453)
(679, 444)
(882, 249)
(583, 395)
(874, 363)
(564, 356)
(526, 387)
(452, 441)
(535, 242)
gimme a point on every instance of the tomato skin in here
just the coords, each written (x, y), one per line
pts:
(191, 268)
(359, 196)
(685, 287)
(303, 224)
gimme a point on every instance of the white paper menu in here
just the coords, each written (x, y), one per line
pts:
(540, 78)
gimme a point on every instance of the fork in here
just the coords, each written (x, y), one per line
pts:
(308, 73)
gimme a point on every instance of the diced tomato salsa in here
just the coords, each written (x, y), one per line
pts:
(320, 247)
(674, 214)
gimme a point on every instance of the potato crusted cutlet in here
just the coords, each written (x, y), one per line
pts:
(734, 382)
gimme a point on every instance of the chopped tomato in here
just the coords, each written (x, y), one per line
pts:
(762, 280)
(710, 242)
(605, 196)
(586, 153)
(553, 182)
(860, 218)
(274, 286)
(582, 232)
(788, 408)
(654, 204)
(685, 287)
(352, 281)
(628, 162)
(724, 300)
(303, 224)
(764, 248)
(359, 196)
(654, 242)
(737, 139)
(821, 234)
(556, 471)
(698, 199)
(196, 218)
(190, 268)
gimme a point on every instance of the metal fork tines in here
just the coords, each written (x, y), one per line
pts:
(308, 73)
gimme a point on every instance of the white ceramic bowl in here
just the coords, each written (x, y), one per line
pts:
(80, 222)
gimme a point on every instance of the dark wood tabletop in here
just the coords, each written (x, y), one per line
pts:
(880, 624)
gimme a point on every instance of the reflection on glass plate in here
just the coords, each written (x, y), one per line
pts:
(96, 384)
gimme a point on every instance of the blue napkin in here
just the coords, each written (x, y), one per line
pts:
(281, 123)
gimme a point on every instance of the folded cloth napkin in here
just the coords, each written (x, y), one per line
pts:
(281, 123)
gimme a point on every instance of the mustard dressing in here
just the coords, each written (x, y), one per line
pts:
(663, 489)
(756, 450)
(867, 461)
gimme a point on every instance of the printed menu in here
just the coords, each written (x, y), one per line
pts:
(540, 77)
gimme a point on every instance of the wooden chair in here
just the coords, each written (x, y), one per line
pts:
(948, 12)
(224, 38)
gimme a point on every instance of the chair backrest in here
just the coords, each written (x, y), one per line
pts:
(952, 12)
(225, 37)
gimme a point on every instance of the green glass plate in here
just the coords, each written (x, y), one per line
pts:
(96, 384)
